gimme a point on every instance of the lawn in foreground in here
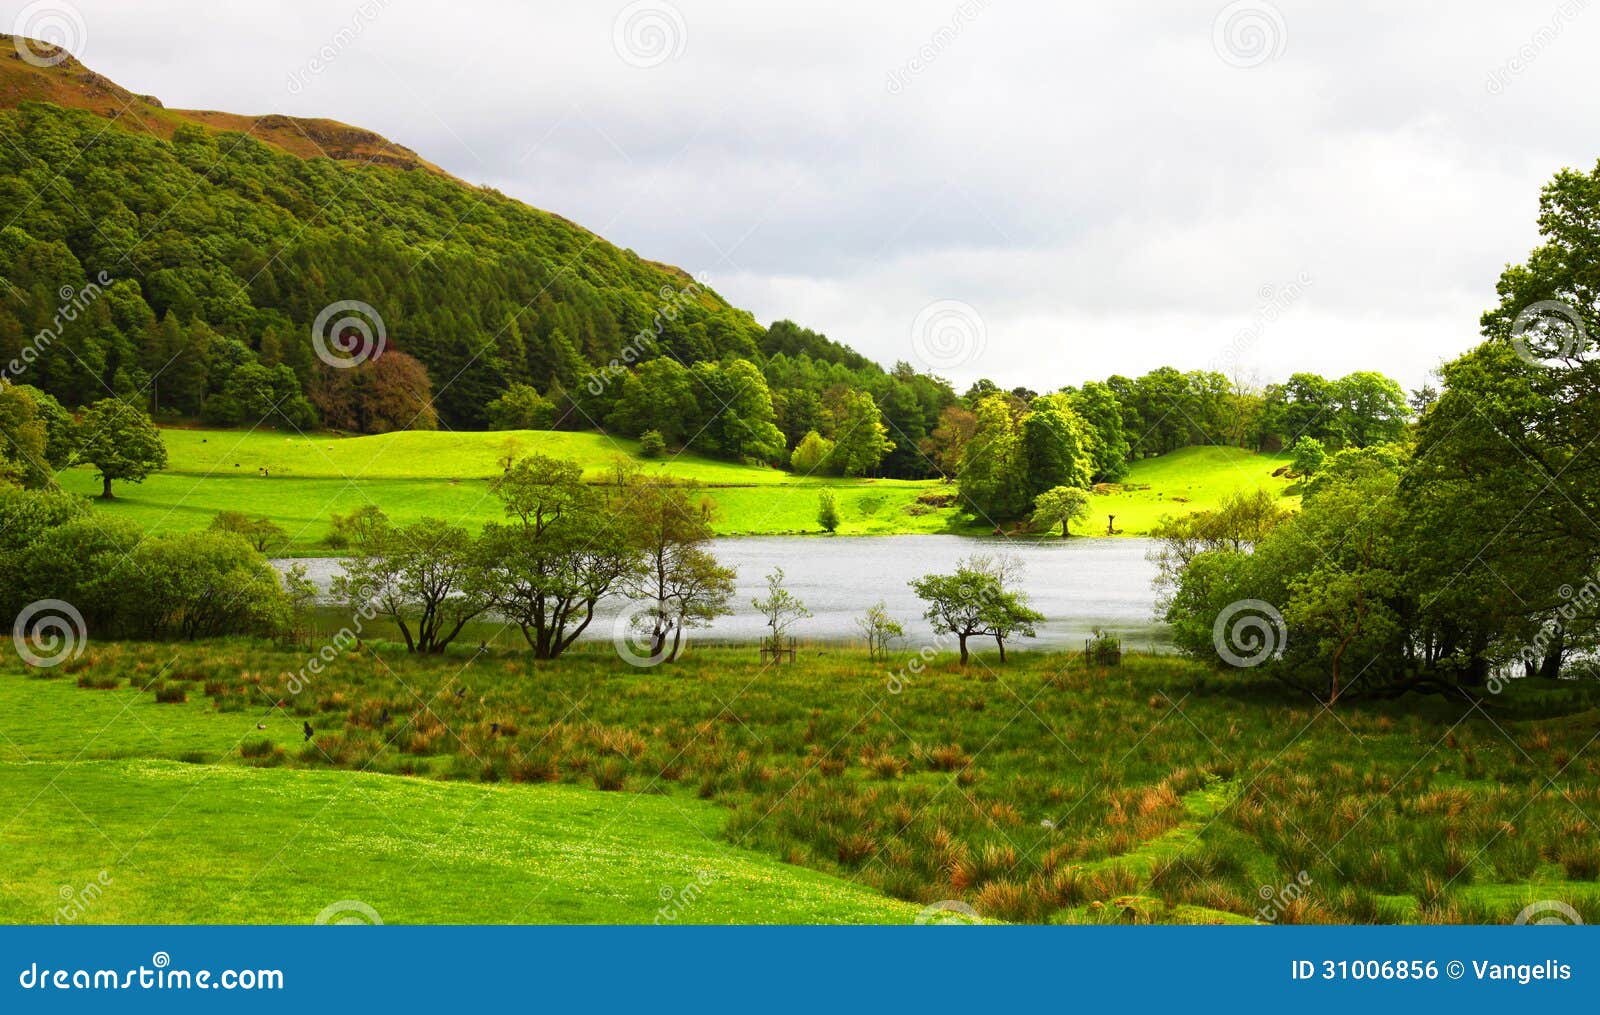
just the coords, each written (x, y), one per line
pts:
(1045, 790)
(92, 794)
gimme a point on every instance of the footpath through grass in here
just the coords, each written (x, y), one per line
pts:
(1045, 790)
(300, 482)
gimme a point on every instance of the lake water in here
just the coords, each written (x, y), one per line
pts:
(1078, 584)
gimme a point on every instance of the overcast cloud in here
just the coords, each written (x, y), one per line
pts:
(1109, 186)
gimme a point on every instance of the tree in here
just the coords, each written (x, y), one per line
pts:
(1371, 408)
(1309, 456)
(388, 392)
(565, 548)
(1061, 506)
(424, 576)
(521, 407)
(781, 608)
(1055, 447)
(827, 511)
(652, 444)
(880, 630)
(812, 455)
(260, 533)
(681, 583)
(1097, 404)
(978, 601)
(121, 443)
(860, 439)
(947, 445)
(24, 440)
(991, 481)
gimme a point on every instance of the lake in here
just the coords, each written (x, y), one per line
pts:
(1078, 584)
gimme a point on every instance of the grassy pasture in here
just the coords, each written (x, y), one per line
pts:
(1042, 791)
(300, 481)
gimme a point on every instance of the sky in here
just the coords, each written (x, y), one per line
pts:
(1038, 193)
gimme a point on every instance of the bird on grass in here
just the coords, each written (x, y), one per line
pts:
(306, 728)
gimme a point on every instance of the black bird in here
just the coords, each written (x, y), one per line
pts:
(308, 730)
(383, 719)
(494, 728)
(461, 692)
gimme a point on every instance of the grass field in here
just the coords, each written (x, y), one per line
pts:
(486, 787)
(299, 482)
(154, 807)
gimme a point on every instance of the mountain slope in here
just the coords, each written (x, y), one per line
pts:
(222, 238)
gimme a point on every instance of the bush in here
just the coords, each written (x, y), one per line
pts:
(652, 444)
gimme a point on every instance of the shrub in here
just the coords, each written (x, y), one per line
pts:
(652, 444)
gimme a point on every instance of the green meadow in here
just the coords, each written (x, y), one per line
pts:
(300, 482)
(490, 788)
(155, 806)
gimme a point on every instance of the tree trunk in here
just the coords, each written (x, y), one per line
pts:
(1550, 668)
(962, 639)
(1064, 532)
(105, 490)
(1002, 643)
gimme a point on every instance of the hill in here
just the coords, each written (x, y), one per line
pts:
(189, 244)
